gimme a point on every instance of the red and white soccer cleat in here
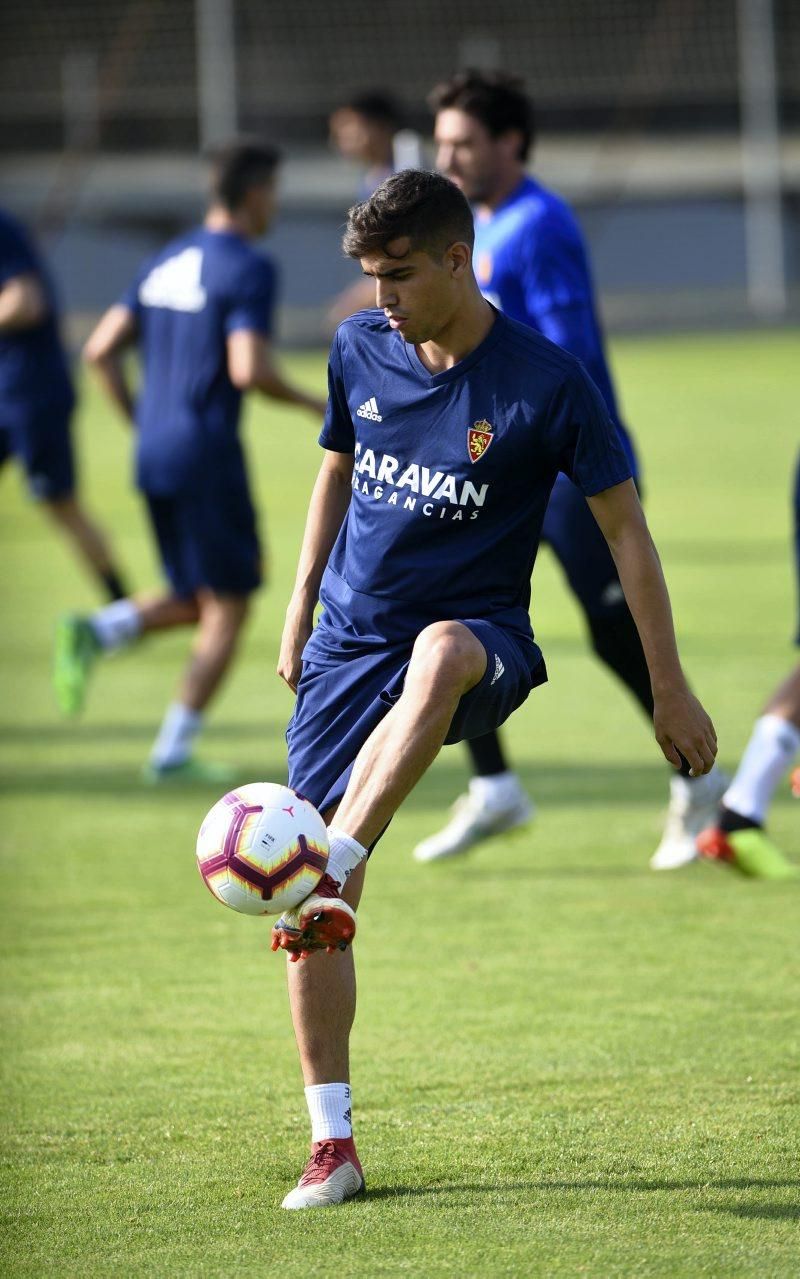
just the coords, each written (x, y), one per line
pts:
(332, 1175)
(323, 921)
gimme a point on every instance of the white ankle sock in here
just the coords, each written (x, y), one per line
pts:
(329, 1108)
(179, 728)
(695, 788)
(116, 624)
(345, 854)
(497, 791)
(773, 745)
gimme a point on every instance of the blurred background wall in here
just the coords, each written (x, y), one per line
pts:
(673, 126)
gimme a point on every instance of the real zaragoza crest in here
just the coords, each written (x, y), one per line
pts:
(479, 437)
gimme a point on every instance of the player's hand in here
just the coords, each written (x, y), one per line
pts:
(682, 725)
(296, 632)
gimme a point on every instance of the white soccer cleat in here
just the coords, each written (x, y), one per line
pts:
(475, 820)
(332, 1175)
(692, 808)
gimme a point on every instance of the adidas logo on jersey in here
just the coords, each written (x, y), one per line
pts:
(499, 669)
(369, 410)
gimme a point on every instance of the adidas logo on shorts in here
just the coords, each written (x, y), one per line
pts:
(369, 410)
(499, 669)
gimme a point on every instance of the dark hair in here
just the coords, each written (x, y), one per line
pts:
(376, 106)
(239, 165)
(426, 207)
(497, 100)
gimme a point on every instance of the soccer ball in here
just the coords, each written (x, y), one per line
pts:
(262, 849)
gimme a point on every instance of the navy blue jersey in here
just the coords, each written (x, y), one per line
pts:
(531, 262)
(452, 476)
(33, 366)
(199, 289)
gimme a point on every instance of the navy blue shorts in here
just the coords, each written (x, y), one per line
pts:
(41, 441)
(572, 533)
(207, 544)
(340, 702)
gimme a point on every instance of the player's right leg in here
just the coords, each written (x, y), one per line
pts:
(322, 997)
(209, 545)
(221, 620)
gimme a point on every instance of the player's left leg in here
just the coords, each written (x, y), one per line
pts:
(738, 835)
(447, 660)
(392, 716)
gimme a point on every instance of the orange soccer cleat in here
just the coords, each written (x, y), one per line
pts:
(323, 921)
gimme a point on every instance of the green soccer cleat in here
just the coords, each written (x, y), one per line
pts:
(192, 772)
(751, 851)
(76, 648)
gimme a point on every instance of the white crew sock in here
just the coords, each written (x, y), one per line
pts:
(773, 745)
(501, 790)
(116, 624)
(345, 853)
(329, 1108)
(695, 789)
(179, 728)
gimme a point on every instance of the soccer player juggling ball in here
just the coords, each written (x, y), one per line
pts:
(447, 425)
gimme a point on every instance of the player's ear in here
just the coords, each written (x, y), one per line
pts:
(459, 257)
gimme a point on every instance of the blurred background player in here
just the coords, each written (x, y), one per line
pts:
(367, 129)
(201, 313)
(738, 836)
(531, 261)
(37, 399)
(363, 129)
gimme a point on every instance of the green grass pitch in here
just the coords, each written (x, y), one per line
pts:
(564, 1064)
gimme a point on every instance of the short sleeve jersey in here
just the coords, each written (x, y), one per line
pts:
(532, 263)
(452, 475)
(186, 301)
(33, 368)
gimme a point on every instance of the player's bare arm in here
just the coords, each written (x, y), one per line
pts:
(252, 367)
(22, 304)
(104, 351)
(679, 719)
(327, 508)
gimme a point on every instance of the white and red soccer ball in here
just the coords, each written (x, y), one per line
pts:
(262, 848)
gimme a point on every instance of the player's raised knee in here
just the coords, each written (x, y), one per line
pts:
(449, 651)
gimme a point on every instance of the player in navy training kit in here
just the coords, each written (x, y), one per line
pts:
(447, 425)
(531, 262)
(201, 312)
(37, 399)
